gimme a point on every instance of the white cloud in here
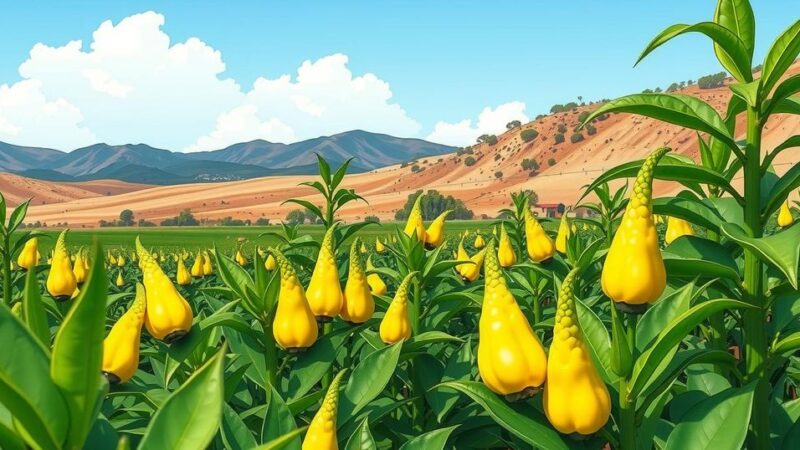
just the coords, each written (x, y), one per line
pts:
(132, 84)
(490, 121)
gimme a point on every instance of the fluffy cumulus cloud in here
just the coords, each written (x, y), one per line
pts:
(490, 121)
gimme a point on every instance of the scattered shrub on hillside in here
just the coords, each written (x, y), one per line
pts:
(562, 128)
(576, 137)
(433, 204)
(498, 174)
(262, 222)
(416, 168)
(295, 217)
(563, 108)
(551, 162)
(513, 124)
(591, 130)
(530, 164)
(712, 81)
(146, 223)
(469, 161)
(231, 222)
(184, 219)
(372, 219)
(488, 139)
(559, 138)
(583, 116)
(673, 87)
(528, 135)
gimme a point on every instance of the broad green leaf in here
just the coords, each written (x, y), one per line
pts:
(362, 439)
(597, 339)
(33, 309)
(234, 431)
(692, 210)
(671, 336)
(690, 257)
(40, 411)
(664, 311)
(190, 417)
(77, 357)
(746, 91)
(719, 422)
(18, 215)
(324, 169)
(782, 250)
(369, 378)
(423, 340)
(733, 53)
(458, 367)
(283, 441)
(791, 142)
(779, 57)
(677, 109)
(781, 190)
(737, 16)
(278, 420)
(519, 419)
(788, 344)
(432, 440)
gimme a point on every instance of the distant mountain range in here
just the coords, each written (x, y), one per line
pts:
(140, 163)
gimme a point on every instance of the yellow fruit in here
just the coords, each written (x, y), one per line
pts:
(29, 256)
(396, 324)
(120, 282)
(564, 232)
(240, 258)
(121, 346)
(294, 326)
(121, 261)
(633, 272)
(471, 272)
(434, 235)
(785, 218)
(461, 255)
(80, 269)
(376, 284)
(270, 264)
(321, 434)
(676, 228)
(324, 292)
(575, 398)
(358, 304)
(511, 360)
(539, 244)
(414, 224)
(169, 316)
(379, 247)
(479, 242)
(505, 251)
(197, 266)
(364, 249)
(208, 268)
(182, 276)
(61, 281)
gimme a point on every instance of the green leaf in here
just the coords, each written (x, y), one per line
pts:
(18, 215)
(737, 16)
(781, 190)
(692, 256)
(621, 351)
(597, 339)
(791, 142)
(747, 92)
(677, 109)
(283, 441)
(423, 340)
(362, 439)
(278, 420)
(340, 173)
(190, 417)
(692, 210)
(521, 420)
(324, 169)
(77, 357)
(664, 311)
(782, 250)
(718, 422)
(235, 434)
(779, 57)
(432, 440)
(789, 344)
(734, 55)
(40, 412)
(369, 378)
(666, 342)
(34, 311)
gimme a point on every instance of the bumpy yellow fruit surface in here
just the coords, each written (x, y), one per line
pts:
(434, 235)
(564, 232)
(376, 284)
(321, 433)
(479, 242)
(379, 246)
(539, 244)
(414, 224)
(197, 266)
(396, 324)
(270, 263)
(785, 218)
(511, 359)
(324, 292)
(633, 272)
(169, 316)
(575, 398)
(208, 267)
(121, 346)
(61, 281)
(182, 276)
(676, 228)
(505, 251)
(358, 305)
(294, 326)
(29, 256)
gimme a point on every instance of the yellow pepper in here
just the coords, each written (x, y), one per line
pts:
(634, 272)
(540, 246)
(197, 267)
(379, 246)
(29, 256)
(376, 284)
(471, 272)
(358, 304)
(396, 324)
(120, 282)
(414, 224)
(564, 232)
(575, 398)
(270, 263)
(324, 292)
(434, 235)
(182, 276)
(121, 346)
(61, 281)
(676, 228)
(240, 258)
(511, 359)
(785, 218)
(294, 326)
(479, 242)
(169, 316)
(208, 267)
(505, 251)
(80, 269)
(321, 434)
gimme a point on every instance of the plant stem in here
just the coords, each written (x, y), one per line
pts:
(327, 327)
(627, 406)
(270, 354)
(755, 339)
(7, 271)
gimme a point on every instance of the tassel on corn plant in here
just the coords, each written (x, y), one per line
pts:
(358, 304)
(633, 272)
(61, 281)
(396, 323)
(575, 398)
(169, 316)
(324, 292)
(511, 359)
(294, 326)
(121, 346)
(321, 434)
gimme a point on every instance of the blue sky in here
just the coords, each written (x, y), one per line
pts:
(445, 62)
